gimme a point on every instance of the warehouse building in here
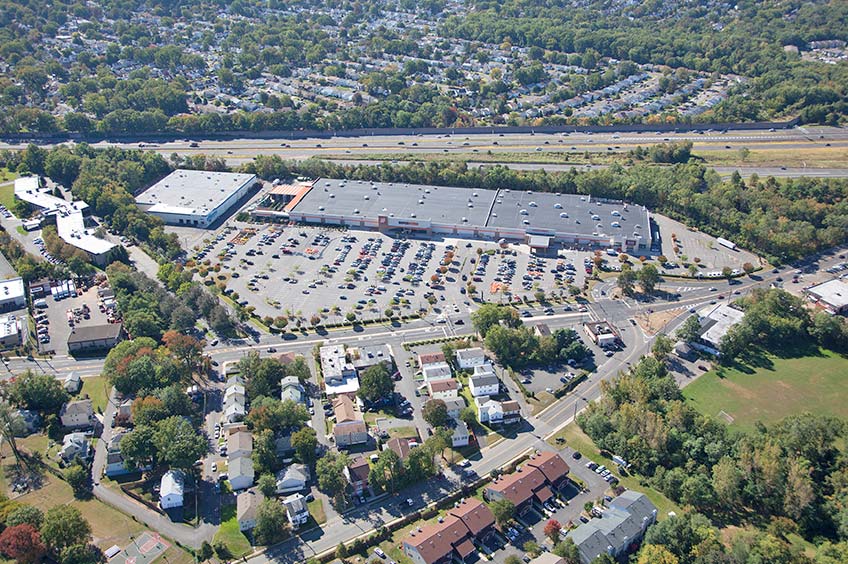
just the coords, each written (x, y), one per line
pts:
(542, 220)
(832, 296)
(195, 198)
(69, 218)
(12, 294)
(94, 337)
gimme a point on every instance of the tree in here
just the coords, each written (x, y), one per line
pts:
(748, 268)
(386, 471)
(25, 514)
(267, 484)
(305, 442)
(662, 347)
(205, 551)
(81, 554)
(375, 383)
(552, 530)
(11, 427)
(568, 551)
(503, 510)
(178, 444)
(648, 277)
(271, 522)
(680, 534)
(690, 330)
(435, 413)
(185, 347)
(727, 482)
(330, 472)
(604, 558)
(513, 347)
(512, 559)
(39, 392)
(23, 543)
(655, 554)
(78, 478)
(341, 551)
(64, 526)
(269, 413)
(626, 281)
(490, 315)
(137, 447)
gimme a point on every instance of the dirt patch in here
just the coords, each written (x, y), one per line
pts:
(653, 323)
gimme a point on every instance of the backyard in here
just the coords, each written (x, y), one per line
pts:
(772, 389)
(230, 535)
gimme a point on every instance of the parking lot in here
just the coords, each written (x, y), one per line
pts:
(55, 322)
(698, 247)
(298, 272)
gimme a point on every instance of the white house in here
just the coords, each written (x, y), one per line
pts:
(496, 412)
(234, 394)
(171, 489)
(291, 389)
(246, 505)
(443, 389)
(460, 436)
(233, 413)
(483, 382)
(77, 414)
(293, 478)
(439, 371)
(74, 445)
(240, 471)
(73, 383)
(296, 510)
(467, 359)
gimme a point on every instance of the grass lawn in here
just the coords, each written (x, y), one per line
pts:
(316, 510)
(229, 533)
(402, 432)
(773, 389)
(578, 440)
(7, 195)
(98, 391)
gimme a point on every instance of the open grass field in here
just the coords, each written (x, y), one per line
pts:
(777, 387)
(578, 440)
(316, 510)
(813, 157)
(7, 191)
(229, 533)
(97, 390)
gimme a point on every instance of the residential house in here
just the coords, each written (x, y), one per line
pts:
(247, 504)
(72, 383)
(30, 421)
(292, 389)
(401, 446)
(621, 525)
(455, 406)
(350, 429)
(77, 414)
(171, 488)
(548, 558)
(483, 382)
(524, 488)
(240, 471)
(443, 389)
(115, 463)
(434, 372)
(292, 478)
(357, 472)
(542, 330)
(234, 413)
(239, 444)
(74, 445)
(460, 435)
(124, 410)
(430, 358)
(296, 509)
(496, 412)
(234, 394)
(282, 446)
(467, 359)
(552, 466)
(453, 537)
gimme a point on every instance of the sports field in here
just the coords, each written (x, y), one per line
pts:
(777, 388)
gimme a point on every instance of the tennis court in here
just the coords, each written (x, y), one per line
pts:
(142, 550)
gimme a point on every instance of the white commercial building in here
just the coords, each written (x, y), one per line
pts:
(831, 295)
(716, 321)
(10, 331)
(69, 217)
(12, 294)
(195, 198)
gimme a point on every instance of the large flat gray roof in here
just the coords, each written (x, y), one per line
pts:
(439, 204)
(504, 208)
(567, 213)
(192, 191)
